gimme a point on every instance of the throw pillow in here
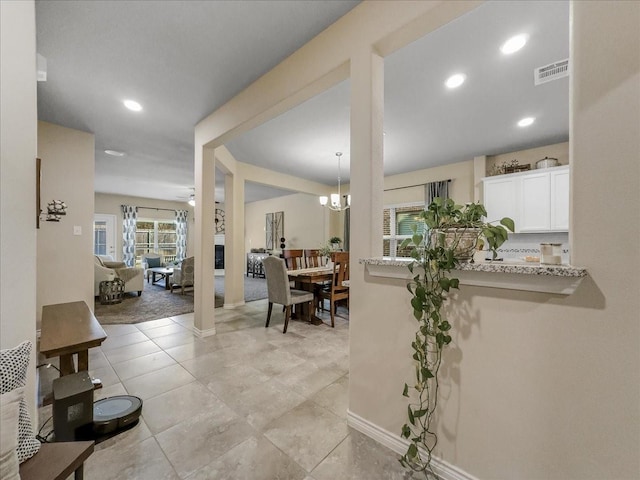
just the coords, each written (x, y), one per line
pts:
(153, 262)
(13, 374)
(9, 412)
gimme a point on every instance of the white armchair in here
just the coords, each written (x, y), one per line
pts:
(183, 276)
(106, 269)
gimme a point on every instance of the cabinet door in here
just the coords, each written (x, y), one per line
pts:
(501, 199)
(560, 201)
(535, 214)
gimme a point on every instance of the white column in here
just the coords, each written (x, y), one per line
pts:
(367, 185)
(367, 177)
(204, 302)
(234, 254)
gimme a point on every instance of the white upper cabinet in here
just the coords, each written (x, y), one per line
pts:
(537, 201)
(500, 199)
(560, 200)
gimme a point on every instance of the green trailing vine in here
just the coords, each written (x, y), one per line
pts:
(448, 236)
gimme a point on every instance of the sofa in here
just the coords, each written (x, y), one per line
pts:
(106, 268)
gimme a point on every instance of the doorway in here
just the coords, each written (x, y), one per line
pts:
(104, 234)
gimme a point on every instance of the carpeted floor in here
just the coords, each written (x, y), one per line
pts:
(156, 302)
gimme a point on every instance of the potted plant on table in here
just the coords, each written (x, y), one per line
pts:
(335, 243)
(451, 233)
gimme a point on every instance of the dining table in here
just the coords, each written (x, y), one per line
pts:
(307, 279)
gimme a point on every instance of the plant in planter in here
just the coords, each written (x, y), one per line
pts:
(325, 250)
(335, 242)
(452, 233)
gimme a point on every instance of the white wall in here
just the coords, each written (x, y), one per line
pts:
(65, 260)
(460, 188)
(535, 385)
(531, 155)
(111, 205)
(306, 222)
(18, 146)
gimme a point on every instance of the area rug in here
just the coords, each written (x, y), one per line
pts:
(156, 302)
(254, 288)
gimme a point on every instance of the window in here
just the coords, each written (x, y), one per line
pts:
(398, 222)
(156, 236)
(99, 238)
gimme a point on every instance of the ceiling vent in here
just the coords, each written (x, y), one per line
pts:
(551, 72)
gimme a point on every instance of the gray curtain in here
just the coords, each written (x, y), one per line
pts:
(435, 189)
(347, 227)
(181, 234)
(129, 221)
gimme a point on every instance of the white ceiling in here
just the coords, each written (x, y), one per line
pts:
(182, 60)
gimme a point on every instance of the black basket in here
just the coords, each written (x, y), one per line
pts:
(111, 291)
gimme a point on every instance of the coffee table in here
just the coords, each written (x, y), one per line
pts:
(161, 272)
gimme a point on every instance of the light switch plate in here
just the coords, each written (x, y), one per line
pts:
(77, 230)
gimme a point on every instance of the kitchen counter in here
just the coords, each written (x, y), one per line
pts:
(512, 275)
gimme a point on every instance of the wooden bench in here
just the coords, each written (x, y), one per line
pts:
(56, 461)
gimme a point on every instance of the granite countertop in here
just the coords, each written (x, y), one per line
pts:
(525, 268)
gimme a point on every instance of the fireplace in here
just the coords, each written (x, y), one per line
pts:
(219, 259)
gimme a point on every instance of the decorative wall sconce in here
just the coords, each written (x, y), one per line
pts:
(55, 209)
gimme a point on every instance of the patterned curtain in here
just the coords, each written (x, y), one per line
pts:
(129, 220)
(435, 189)
(181, 234)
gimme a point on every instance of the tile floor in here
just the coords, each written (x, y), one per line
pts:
(247, 403)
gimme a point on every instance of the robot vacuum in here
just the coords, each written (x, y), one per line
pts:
(114, 414)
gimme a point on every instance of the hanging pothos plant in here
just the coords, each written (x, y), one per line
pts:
(448, 236)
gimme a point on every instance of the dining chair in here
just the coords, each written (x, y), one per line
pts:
(313, 258)
(336, 292)
(294, 259)
(279, 291)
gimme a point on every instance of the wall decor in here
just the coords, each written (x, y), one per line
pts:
(219, 220)
(268, 230)
(274, 229)
(55, 209)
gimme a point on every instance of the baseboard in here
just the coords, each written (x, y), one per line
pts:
(443, 469)
(204, 333)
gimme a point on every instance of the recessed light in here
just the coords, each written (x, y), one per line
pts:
(132, 105)
(514, 44)
(114, 153)
(525, 122)
(454, 81)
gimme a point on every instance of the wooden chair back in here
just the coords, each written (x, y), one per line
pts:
(337, 292)
(340, 271)
(293, 259)
(313, 258)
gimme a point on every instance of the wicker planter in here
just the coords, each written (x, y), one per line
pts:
(463, 240)
(111, 291)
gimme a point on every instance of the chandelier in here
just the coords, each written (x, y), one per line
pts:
(336, 198)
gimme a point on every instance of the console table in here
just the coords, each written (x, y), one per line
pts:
(68, 329)
(254, 264)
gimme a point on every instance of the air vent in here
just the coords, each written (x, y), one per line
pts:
(551, 72)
